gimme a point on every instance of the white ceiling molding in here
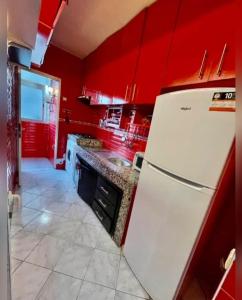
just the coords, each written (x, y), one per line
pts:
(23, 17)
(85, 24)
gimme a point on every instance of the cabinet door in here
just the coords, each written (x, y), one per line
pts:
(223, 50)
(110, 69)
(91, 69)
(189, 59)
(101, 71)
(158, 31)
(107, 71)
(127, 58)
(48, 12)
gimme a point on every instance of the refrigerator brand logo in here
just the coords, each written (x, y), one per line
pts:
(186, 108)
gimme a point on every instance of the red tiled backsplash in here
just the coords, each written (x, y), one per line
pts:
(35, 139)
(111, 138)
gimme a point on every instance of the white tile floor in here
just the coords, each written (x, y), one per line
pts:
(59, 250)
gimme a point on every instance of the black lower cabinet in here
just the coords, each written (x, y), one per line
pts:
(106, 203)
(102, 195)
(87, 183)
(102, 216)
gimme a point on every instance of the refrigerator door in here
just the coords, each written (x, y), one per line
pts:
(165, 222)
(187, 138)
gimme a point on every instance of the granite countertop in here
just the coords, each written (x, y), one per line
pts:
(124, 177)
(101, 156)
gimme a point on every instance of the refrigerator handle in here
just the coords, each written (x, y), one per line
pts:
(181, 180)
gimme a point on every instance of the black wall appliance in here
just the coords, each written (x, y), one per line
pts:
(87, 181)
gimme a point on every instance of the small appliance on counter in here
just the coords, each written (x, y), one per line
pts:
(138, 161)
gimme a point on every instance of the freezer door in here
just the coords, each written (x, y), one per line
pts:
(164, 225)
(189, 140)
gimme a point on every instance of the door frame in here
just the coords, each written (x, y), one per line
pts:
(57, 111)
(5, 282)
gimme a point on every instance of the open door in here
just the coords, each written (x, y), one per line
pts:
(5, 288)
(39, 115)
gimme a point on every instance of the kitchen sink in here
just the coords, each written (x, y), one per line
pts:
(120, 162)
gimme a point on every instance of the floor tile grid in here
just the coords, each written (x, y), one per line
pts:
(16, 265)
(17, 214)
(119, 295)
(22, 261)
(52, 272)
(26, 260)
(28, 206)
(84, 278)
(46, 282)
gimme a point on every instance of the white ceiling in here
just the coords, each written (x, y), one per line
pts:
(23, 17)
(85, 24)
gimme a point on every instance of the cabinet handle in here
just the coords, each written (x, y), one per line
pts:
(126, 92)
(134, 92)
(99, 217)
(202, 68)
(220, 65)
(104, 190)
(101, 202)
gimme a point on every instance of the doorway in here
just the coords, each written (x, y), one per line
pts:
(39, 116)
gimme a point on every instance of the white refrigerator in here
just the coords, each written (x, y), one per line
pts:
(190, 138)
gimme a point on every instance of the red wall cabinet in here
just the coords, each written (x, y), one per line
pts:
(157, 36)
(223, 48)
(226, 290)
(171, 43)
(49, 14)
(110, 69)
(98, 69)
(127, 59)
(202, 30)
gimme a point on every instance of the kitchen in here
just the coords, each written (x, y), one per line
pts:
(133, 88)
